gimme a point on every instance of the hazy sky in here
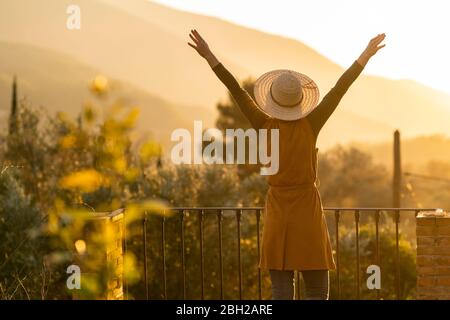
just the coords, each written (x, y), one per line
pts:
(417, 44)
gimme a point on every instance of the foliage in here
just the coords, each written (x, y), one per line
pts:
(387, 263)
(350, 178)
(22, 272)
(70, 170)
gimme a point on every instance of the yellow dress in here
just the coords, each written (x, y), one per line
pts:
(295, 234)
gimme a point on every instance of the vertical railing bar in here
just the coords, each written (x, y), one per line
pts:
(397, 255)
(163, 251)
(258, 244)
(358, 294)
(338, 265)
(297, 285)
(294, 282)
(219, 217)
(202, 258)
(238, 224)
(144, 241)
(183, 262)
(377, 244)
(124, 244)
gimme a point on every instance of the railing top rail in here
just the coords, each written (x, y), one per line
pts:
(325, 208)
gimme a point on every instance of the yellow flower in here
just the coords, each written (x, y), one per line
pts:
(68, 141)
(80, 246)
(131, 117)
(120, 164)
(100, 84)
(85, 181)
(148, 150)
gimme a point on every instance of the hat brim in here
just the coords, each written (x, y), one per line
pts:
(269, 106)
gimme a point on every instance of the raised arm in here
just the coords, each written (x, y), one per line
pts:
(243, 99)
(319, 116)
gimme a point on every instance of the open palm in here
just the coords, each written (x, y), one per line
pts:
(375, 45)
(199, 44)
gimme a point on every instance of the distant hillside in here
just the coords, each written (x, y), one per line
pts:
(60, 83)
(144, 44)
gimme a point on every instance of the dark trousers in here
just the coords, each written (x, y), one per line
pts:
(316, 284)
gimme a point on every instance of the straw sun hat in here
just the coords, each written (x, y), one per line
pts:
(286, 94)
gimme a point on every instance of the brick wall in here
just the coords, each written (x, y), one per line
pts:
(103, 259)
(433, 255)
(114, 255)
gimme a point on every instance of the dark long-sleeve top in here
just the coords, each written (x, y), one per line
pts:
(316, 118)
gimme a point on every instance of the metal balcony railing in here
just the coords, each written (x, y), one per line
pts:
(200, 213)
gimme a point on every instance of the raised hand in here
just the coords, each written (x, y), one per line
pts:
(375, 45)
(372, 48)
(199, 44)
(202, 48)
